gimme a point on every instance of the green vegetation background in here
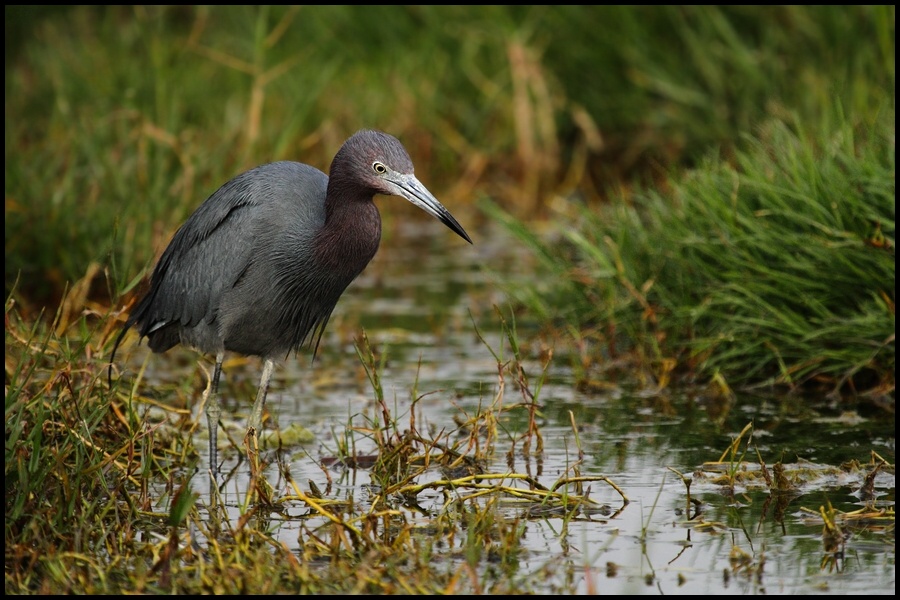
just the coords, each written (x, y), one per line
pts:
(729, 170)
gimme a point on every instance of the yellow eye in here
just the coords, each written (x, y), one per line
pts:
(379, 168)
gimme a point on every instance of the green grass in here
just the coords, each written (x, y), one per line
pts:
(776, 268)
(121, 120)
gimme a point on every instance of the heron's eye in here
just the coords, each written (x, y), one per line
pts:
(379, 168)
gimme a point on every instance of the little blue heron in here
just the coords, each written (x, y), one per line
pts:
(258, 268)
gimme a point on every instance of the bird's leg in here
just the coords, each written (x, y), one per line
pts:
(254, 425)
(212, 417)
(262, 491)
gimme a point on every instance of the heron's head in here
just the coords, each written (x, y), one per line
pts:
(380, 164)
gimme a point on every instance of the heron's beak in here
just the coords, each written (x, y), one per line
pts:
(407, 186)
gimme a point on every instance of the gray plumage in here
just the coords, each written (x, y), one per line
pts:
(258, 268)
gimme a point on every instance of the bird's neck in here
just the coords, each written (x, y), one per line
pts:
(351, 233)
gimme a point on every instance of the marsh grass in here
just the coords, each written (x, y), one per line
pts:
(100, 499)
(121, 120)
(101, 487)
(774, 269)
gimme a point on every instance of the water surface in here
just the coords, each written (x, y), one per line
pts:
(417, 303)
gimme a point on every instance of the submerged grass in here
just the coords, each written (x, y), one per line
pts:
(776, 268)
(736, 477)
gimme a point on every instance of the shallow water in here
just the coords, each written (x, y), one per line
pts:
(417, 305)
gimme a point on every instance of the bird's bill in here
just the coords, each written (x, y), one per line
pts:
(409, 187)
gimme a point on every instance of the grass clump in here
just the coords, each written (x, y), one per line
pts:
(776, 269)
